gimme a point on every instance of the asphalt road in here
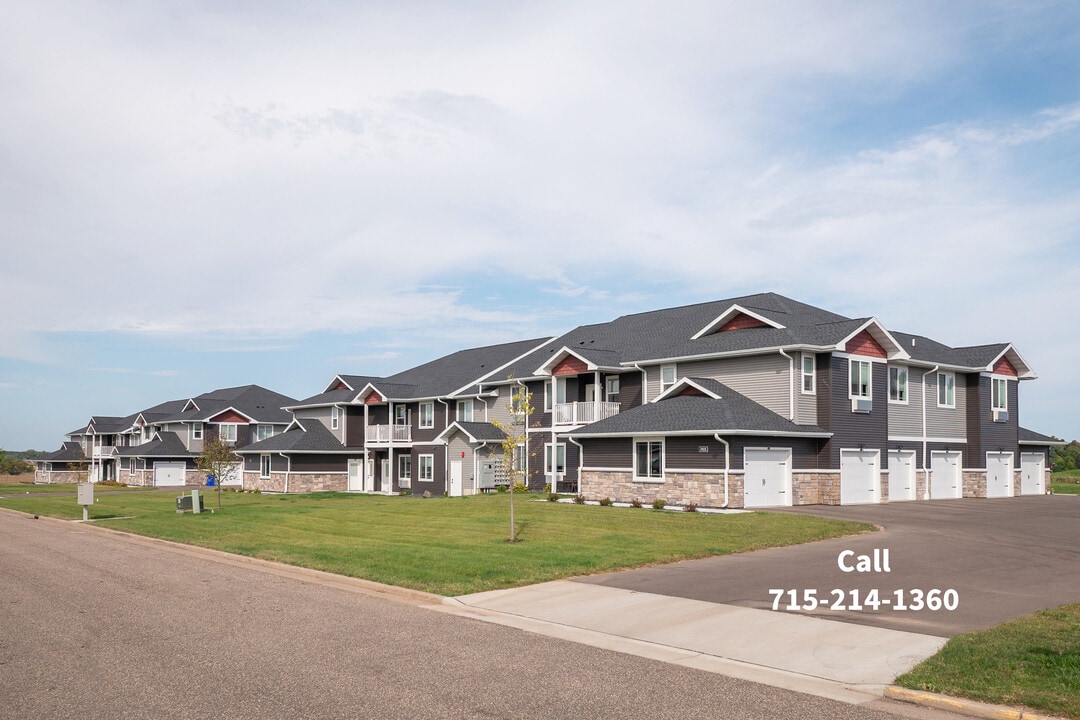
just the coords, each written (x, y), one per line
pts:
(95, 625)
(1003, 558)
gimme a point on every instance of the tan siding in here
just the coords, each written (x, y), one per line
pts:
(946, 422)
(805, 405)
(458, 444)
(906, 420)
(765, 379)
(320, 414)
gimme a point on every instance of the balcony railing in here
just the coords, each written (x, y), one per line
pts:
(101, 451)
(388, 433)
(582, 413)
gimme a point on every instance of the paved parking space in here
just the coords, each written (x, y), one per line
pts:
(1004, 559)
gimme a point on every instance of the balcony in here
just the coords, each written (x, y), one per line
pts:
(388, 433)
(104, 451)
(583, 413)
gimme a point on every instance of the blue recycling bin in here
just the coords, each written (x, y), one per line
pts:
(210, 481)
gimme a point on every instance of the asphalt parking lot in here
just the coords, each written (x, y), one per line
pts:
(1003, 558)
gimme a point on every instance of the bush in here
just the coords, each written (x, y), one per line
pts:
(579, 499)
(658, 504)
(553, 497)
(636, 502)
(521, 487)
(547, 487)
(690, 507)
(606, 502)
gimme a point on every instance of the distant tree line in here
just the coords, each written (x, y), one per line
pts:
(16, 463)
(1066, 457)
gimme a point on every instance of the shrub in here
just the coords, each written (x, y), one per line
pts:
(658, 504)
(403, 493)
(547, 487)
(553, 497)
(579, 499)
(690, 507)
(521, 487)
(636, 502)
(501, 488)
(606, 502)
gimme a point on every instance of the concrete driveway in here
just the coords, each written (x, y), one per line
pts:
(1003, 558)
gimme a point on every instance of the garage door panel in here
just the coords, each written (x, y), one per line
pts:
(170, 474)
(946, 478)
(860, 477)
(1032, 474)
(999, 475)
(901, 475)
(767, 477)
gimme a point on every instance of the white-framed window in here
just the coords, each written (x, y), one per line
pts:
(668, 374)
(808, 374)
(335, 417)
(227, 432)
(196, 431)
(264, 466)
(999, 393)
(404, 467)
(611, 389)
(427, 468)
(898, 376)
(401, 414)
(262, 432)
(131, 466)
(521, 456)
(560, 393)
(861, 379)
(427, 415)
(555, 459)
(464, 411)
(946, 389)
(649, 459)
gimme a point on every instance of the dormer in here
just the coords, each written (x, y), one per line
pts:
(737, 317)
(568, 361)
(1009, 363)
(871, 339)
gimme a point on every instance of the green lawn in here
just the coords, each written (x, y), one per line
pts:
(14, 487)
(1066, 483)
(449, 546)
(1033, 661)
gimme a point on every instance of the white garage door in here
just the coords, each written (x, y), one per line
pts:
(1032, 474)
(169, 474)
(767, 478)
(999, 474)
(236, 477)
(901, 475)
(945, 476)
(860, 477)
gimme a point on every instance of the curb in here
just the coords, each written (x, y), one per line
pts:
(971, 708)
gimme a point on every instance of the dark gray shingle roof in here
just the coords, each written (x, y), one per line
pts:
(68, 452)
(165, 444)
(302, 436)
(258, 403)
(1030, 437)
(924, 349)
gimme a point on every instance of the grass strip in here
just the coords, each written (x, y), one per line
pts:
(1033, 661)
(450, 546)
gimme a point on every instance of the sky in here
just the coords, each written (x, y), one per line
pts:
(197, 195)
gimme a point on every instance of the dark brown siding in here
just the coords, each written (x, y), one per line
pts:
(608, 452)
(985, 435)
(319, 463)
(629, 390)
(354, 426)
(850, 429)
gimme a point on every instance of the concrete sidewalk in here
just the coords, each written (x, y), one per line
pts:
(842, 661)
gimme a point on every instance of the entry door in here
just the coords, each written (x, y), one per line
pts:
(455, 478)
(860, 477)
(1032, 473)
(369, 476)
(901, 475)
(767, 477)
(590, 393)
(356, 476)
(999, 474)
(384, 480)
(946, 482)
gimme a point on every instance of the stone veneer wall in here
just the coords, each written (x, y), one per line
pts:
(274, 483)
(704, 489)
(974, 482)
(56, 477)
(322, 482)
(815, 488)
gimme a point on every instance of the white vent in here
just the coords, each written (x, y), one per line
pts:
(862, 405)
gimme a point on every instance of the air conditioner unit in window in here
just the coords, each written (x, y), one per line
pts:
(1001, 415)
(862, 405)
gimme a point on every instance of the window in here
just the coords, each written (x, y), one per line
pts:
(464, 411)
(427, 468)
(560, 393)
(404, 467)
(264, 466)
(196, 431)
(946, 389)
(667, 377)
(611, 386)
(131, 467)
(519, 398)
(649, 460)
(401, 414)
(264, 431)
(335, 417)
(227, 432)
(556, 453)
(861, 379)
(427, 415)
(808, 374)
(999, 393)
(898, 384)
(521, 456)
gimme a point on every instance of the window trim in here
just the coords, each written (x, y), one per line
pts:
(608, 394)
(259, 431)
(549, 470)
(650, 441)
(197, 431)
(425, 462)
(549, 401)
(405, 467)
(994, 380)
(903, 400)
(265, 465)
(812, 375)
(233, 431)
(674, 367)
(402, 415)
(869, 395)
(427, 408)
(521, 458)
(943, 378)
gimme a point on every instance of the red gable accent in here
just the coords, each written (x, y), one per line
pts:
(341, 385)
(1004, 367)
(689, 390)
(373, 398)
(570, 366)
(229, 416)
(742, 321)
(865, 344)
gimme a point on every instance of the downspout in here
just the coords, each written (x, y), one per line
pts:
(581, 460)
(364, 482)
(727, 465)
(288, 469)
(525, 391)
(475, 471)
(791, 385)
(925, 457)
(644, 384)
(392, 419)
(485, 407)
(446, 447)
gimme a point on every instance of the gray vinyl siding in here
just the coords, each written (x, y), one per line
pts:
(608, 452)
(322, 414)
(765, 379)
(850, 429)
(459, 444)
(906, 420)
(498, 408)
(805, 404)
(317, 463)
(630, 388)
(944, 422)
(985, 434)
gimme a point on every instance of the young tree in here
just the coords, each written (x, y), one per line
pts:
(219, 461)
(515, 444)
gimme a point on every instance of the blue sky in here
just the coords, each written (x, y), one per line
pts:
(200, 195)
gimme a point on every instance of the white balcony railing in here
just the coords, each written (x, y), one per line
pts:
(388, 433)
(101, 451)
(582, 413)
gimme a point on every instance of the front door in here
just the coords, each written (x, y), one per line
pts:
(369, 476)
(386, 485)
(455, 478)
(356, 476)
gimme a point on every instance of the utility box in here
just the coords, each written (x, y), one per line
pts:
(189, 503)
(86, 494)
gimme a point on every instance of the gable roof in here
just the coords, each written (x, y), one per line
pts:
(719, 410)
(974, 358)
(68, 452)
(476, 432)
(302, 436)
(1030, 437)
(164, 444)
(252, 401)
